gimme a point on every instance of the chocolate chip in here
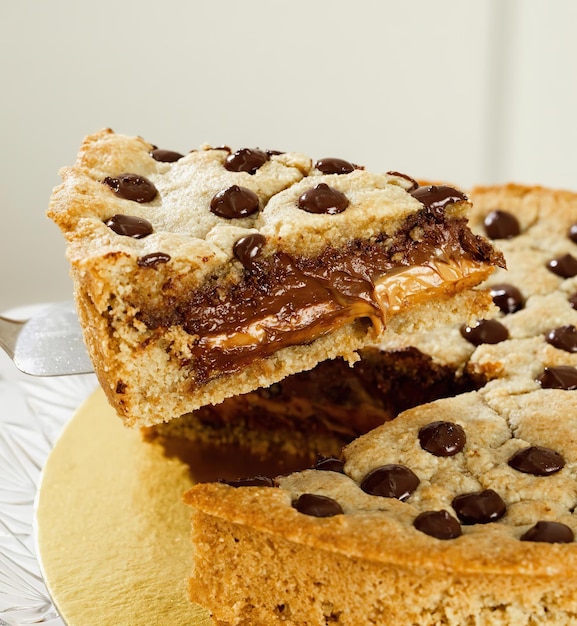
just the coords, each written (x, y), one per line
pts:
(507, 297)
(501, 225)
(572, 234)
(274, 391)
(129, 226)
(438, 524)
(437, 197)
(537, 460)
(334, 166)
(414, 183)
(559, 377)
(564, 338)
(390, 481)
(480, 507)
(323, 199)
(564, 266)
(317, 506)
(153, 259)
(442, 438)
(549, 532)
(234, 202)
(485, 331)
(329, 464)
(253, 481)
(246, 160)
(573, 300)
(247, 248)
(165, 156)
(132, 187)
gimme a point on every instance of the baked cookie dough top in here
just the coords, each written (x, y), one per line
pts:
(536, 295)
(212, 196)
(124, 195)
(533, 342)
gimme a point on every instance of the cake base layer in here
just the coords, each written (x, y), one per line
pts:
(351, 591)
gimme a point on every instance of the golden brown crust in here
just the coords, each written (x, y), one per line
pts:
(347, 590)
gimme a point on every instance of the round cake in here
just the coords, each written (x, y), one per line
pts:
(459, 511)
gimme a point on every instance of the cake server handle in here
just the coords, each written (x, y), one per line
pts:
(49, 343)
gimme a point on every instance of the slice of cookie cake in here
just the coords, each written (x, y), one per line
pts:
(206, 275)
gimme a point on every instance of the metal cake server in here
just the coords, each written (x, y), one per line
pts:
(49, 343)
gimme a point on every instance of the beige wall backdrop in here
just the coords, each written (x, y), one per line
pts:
(470, 92)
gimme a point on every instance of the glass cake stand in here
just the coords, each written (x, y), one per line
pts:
(33, 412)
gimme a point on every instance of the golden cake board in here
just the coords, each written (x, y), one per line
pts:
(112, 532)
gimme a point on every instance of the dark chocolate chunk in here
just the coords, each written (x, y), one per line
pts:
(317, 506)
(537, 460)
(564, 266)
(559, 377)
(572, 234)
(165, 156)
(480, 507)
(247, 248)
(564, 338)
(501, 225)
(549, 532)
(253, 481)
(323, 199)
(274, 391)
(485, 331)
(153, 259)
(234, 202)
(442, 438)
(436, 197)
(334, 166)
(507, 297)
(390, 481)
(132, 187)
(329, 464)
(246, 160)
(414, 183)
(573, 300)
(129, 226)
(438, 524)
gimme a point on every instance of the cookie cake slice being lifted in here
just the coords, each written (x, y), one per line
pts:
(202, 276)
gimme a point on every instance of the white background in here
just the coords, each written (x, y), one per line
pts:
(468, 92)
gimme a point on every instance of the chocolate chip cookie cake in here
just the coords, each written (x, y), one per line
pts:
(460, 511)
(210, 274)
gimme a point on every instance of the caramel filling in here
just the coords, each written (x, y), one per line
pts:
(400, 289)
(283, 301)
(393, 293)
